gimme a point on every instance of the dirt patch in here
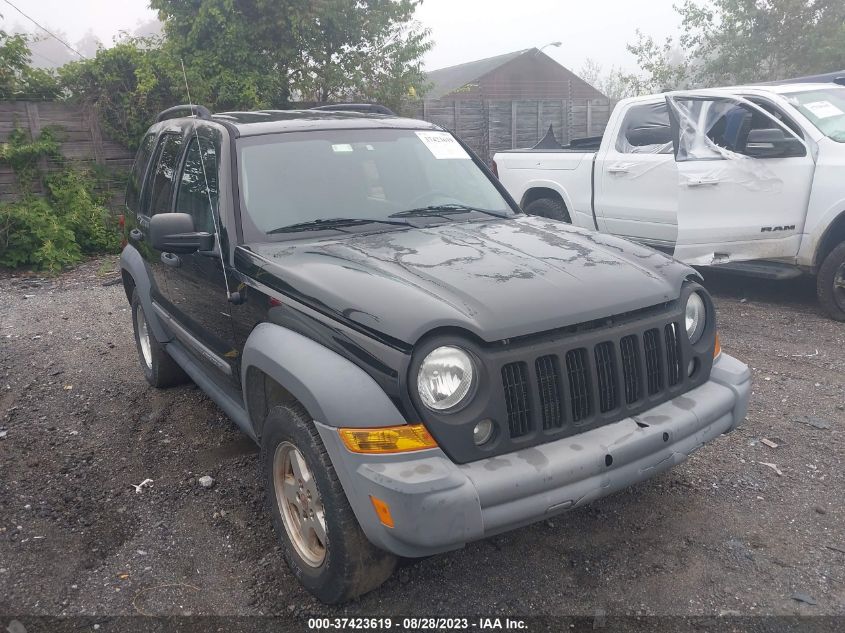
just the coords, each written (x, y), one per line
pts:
(722, 533)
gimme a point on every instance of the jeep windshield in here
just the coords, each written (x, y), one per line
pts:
(825, 108)
(354, 180)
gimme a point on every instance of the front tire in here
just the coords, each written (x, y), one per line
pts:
(159, 368)
(830, 283)
(549, 208)
(323, 544)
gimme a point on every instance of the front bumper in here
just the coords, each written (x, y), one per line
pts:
(438, 505)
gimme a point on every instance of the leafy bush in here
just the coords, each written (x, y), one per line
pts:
(78, 208)
(56, 230)
(32, 234)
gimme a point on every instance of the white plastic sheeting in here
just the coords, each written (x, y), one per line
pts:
(706, 128)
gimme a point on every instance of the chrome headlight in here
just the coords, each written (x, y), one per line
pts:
(696, 317)
(445, 378)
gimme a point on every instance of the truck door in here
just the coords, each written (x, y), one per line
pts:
(637, 181)
(744, 181)
(196, 287)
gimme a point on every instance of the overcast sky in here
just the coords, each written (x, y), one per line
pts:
(462, 30)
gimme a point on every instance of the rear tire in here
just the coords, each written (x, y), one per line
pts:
(159, 368)
(549, 208)
(830, 283)
(323, 544)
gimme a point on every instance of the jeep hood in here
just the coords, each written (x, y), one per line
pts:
(495, 278)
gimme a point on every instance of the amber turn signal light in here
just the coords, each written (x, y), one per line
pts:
(718, 348)
(383, 511)
(388, 439)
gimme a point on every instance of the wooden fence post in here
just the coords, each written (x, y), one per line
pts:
(92, 114)
(34, 121)
(539, 119)
(485, 131)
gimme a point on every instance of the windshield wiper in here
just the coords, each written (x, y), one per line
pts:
(330, 223)
(445, 209)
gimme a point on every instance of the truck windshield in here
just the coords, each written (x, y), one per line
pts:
(825, 108)
(318, 180)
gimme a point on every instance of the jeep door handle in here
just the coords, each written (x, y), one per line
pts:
(169, 259)
(622, 168)
(135, 235)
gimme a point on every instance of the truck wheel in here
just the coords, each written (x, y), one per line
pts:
(830, 283)
(549, 208)
(323, 544)
(160, 369)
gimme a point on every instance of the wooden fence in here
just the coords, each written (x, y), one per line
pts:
(81, 141)
(490, 126)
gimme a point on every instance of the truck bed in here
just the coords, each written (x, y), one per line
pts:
(587, 144)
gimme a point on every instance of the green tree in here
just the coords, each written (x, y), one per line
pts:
(240, 51)
(266, 53)
(740, 41)
(18, 79)
(361, 49)
(130, 82)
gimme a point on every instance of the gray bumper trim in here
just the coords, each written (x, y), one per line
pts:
(438, 505)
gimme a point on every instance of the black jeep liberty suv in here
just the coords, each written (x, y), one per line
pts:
(422, 364)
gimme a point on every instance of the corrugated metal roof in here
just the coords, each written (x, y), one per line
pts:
(446, 80)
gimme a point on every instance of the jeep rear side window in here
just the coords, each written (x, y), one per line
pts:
(192, 196)
(161, 181)
(139, 168)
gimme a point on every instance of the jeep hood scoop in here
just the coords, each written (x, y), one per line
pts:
(495, 278)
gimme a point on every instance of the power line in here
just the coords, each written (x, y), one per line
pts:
(53, 35)
(45, 58)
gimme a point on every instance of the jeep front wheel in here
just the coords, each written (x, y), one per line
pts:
(830, 283)
(323, 544)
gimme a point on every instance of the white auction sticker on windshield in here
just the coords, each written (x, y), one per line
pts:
(823, 109)
(443, 145)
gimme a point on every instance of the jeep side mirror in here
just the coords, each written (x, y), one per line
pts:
(773, 143)
(174, 233)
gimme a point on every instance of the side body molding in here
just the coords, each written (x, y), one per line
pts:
(333, 390)
(132, 262)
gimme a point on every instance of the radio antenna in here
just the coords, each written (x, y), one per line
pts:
(233, 297)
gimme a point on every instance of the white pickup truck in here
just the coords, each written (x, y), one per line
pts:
(751, 179)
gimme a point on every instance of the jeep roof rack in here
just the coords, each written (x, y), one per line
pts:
(198, 111)
(366, 108)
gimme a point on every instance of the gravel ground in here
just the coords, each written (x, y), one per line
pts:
(743, 527)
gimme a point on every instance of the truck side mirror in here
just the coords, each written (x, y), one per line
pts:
(174, 233)
(773, 143)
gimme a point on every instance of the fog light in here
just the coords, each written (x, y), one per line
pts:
(482, 432)
(692, 367)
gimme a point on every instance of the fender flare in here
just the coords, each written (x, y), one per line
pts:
(132, 262)
(333, 390)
